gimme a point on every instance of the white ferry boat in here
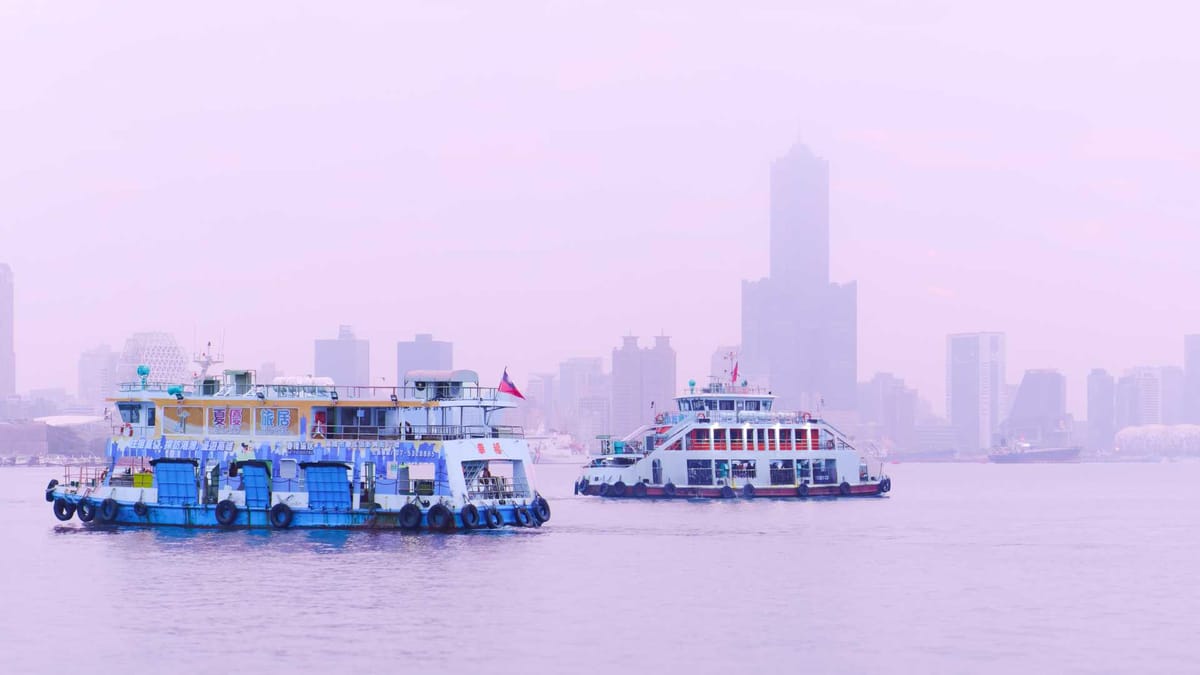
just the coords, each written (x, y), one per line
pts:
(230, 452)
(726, 441)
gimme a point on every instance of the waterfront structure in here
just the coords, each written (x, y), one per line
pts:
(346, 360)
(643, 380)
(423, 353)
(97, 376)
(975, 382)
(725, 441)
(228, 451)
(1101, 410)
(799, 331)
(1191, 375)
(8, 356)
(158, 351)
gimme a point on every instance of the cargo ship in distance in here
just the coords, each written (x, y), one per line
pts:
(229, 452)
(1026, 453)
(726, 441)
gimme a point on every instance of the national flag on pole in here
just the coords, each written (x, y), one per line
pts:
(507, 387)
(735, 371)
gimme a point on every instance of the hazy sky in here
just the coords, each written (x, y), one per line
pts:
(536, 181)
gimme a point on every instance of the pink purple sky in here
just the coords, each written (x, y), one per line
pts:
(533, 182)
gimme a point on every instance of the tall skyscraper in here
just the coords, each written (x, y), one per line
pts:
(799, 331)
(347, 359)
(1139, 397)
(888, 411)
(167, 361)
(643, 382)
(1191, 378)
(1038, 413)
(8, 356)
(1101, 410)
(583, 395)
(975, 381)
(97, 376)
(423, 353)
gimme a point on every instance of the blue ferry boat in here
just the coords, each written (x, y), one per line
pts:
(229, 452)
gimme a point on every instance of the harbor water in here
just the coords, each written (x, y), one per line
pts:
(976, 568)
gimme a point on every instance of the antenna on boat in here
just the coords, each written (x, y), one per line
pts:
(207, 359)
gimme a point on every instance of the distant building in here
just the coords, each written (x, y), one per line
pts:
(975, 382)
(1191, 376)
(1101, 410)
(423, 353)
(1039, 411)
(643, 383)
(167, 361)
(888, 412)
(267, 372)
(1174, 397)
(799, 331)
(582, 405)
(347, 359)
(1139, 398)
(8, 356)
(97, 376)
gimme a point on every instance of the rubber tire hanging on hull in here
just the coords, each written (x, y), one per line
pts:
(85, 510)
(493, 518)
(541, 509)
(227, 512)
(63, 509)
(524, 518)
(617, 489)
(470, 516)
(410, 516)
(748, 491)
(727, 492)
(604, 489)
(440, 518)
(280, 516)
(669, 490)
(50, 490)
(109, 510)
(140, 509)
(885, 486)
(638, 490)
(844, 489)
(802, 491)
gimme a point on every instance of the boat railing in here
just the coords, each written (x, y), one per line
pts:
(431, 432)
(497, 488)
(133, 431)
(434, 391)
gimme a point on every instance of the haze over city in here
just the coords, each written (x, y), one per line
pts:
(536, 182)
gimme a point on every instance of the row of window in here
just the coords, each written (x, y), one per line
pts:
(779, 471)
(737, 438)
(703, 404)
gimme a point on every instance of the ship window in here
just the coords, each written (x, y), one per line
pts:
(150, 416)
(804, 471)
(824, 471)
(735, 439)
(130, 413)
(751, 405)
(727, 405)
(744, 468)
(782, 472)
(722, 469)
(700, 472)
(710, 404)
(785, 439)
(766, 405)
(685, 406)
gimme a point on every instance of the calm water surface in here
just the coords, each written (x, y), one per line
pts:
(965, 568)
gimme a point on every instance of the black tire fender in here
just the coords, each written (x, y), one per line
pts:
(493, 518)
(844, 489)
(524, 518)
(280, 516)
(669, 490)
(802, 491)
(541, 509)
(63, 509)
(50, 489)
(470, 516)
(140, 509)
(617, 489)
(410, 516)
(85, 510)
(227, 512)
(109, 510)
(440, 518)
(727, 492)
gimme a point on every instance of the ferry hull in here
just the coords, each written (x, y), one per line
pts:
(777, 492)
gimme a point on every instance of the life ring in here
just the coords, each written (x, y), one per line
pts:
(541, 509)
(748, 491)
(440, 518)
(50, 489)
(701, 417)
(125, 429)
(805, 417)
(410, 516)
(727, 492)
(669, 490)
(844, 488)
(659, 418)
(227, 512)
(63, 509)
(493, 518)
(86, 510)
(829, 444)
(470, 516)
(140, 509)
(617, 489)
(524, 518)
(109, 510)
(280, 516)
(639, 490)
(802, 491)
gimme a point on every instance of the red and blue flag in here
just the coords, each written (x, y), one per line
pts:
(507, 387)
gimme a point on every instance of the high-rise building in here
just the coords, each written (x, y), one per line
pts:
(1038, 413)
(799, 331)
(423, 353)
(97, 376)
(1191, 378)
(887, 411)
(347, 359)
(1139, 397)
(975, 381)
(1101, 410)
(8, 356)
(582, 407)
(167, 361)
(643, 382)
(1174, 387)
